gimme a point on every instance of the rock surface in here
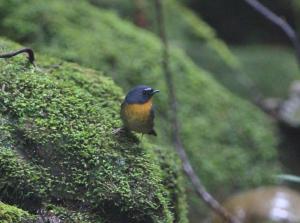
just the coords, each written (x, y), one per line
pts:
(58, 152)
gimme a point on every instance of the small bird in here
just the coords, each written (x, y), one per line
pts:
(137, 112)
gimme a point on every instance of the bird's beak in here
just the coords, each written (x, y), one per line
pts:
(154, 92)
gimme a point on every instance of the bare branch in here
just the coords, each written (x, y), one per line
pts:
(187, 167)
(15, 53)
(281, 23)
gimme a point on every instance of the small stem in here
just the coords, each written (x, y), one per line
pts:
(15, 53)
(187, 167)
(281, 23)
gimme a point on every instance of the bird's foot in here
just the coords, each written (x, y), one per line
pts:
(119, 130)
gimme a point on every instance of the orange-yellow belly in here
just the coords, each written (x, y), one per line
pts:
(137, 117)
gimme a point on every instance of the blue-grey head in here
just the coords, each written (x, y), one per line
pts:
(140, 94)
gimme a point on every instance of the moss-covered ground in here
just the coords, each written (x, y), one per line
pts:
(57, 149)
(230, 142)
(225, 134)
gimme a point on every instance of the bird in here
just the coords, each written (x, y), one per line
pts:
(137, 112)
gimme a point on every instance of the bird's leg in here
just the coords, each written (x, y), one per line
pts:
(119, 130)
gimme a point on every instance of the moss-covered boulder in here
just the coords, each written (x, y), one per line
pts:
(228, 139)
(230, 142)
(187, 31)
(58, 152)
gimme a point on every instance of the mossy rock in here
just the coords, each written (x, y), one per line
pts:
(231, 143)
(57, 148)
(11, 214)
(187, 31)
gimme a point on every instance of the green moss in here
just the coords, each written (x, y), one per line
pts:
(228, 139)
(58, 146)
(264, 63)
(11, 214)
(187, 28)
(174, 181)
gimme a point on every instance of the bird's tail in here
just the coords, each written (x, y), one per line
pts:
(152, 132)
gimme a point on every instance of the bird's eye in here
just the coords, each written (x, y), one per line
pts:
(147, 91)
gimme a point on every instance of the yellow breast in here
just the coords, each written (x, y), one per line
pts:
(138, 111)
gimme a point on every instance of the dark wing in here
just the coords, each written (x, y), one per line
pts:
(152, 116)
(152, 132)
(151, 122)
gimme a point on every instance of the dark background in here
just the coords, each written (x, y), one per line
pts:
(237, 23)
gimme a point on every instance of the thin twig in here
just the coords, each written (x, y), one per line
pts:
(277, 20)
(15, 53)
(187, 167)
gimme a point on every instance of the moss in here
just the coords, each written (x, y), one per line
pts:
(174, 181)
(230, 142)
(271, 63)
(186, 28)
(58, 147)
(11, 214)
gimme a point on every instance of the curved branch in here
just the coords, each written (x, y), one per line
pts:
(281, 23)
(29, 51)
(187, 167)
